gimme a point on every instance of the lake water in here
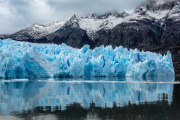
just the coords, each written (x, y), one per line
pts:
(90, 99)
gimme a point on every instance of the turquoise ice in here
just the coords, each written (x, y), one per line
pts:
(23, 60)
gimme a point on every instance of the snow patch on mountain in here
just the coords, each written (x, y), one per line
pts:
(52, 27)
(158, 10)
(43, 30)
(175, 12)
(37, 30)
(95, 22)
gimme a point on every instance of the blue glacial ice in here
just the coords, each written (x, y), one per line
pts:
(23, 59)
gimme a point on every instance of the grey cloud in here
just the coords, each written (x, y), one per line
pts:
(18, 14)
(86, 6)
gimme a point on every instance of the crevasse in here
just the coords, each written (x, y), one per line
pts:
(23, 60)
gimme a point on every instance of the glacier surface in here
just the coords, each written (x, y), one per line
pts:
(23, 60)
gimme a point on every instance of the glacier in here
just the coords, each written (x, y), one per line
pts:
(24, 60)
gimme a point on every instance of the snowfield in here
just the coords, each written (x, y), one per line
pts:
(23, 60)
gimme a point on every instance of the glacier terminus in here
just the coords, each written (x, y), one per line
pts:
(24, 60)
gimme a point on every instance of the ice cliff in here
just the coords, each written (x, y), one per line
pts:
(23, 59)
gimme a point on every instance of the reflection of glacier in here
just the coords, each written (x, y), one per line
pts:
(18, 96)
(22, 60)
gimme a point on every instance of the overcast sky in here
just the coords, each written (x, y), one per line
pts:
(18, 14)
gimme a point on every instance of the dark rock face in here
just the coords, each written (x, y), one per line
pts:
(4, 36)
(171, 34)
(145, 35)
(170, 40)
(141, 34)
(74, 37)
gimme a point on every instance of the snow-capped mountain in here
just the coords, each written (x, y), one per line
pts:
(154, 10)
(43, 30)
(154, 23)
(37, 31)
(95, 22)
(158, 10)
(90, 22)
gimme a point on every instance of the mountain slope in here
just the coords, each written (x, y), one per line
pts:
(37, 31)
(94, 22)
(91, 23)
(155, 26)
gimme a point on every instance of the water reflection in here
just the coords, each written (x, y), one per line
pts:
(56, 95)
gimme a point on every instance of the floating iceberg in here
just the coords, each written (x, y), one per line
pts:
(23, 59)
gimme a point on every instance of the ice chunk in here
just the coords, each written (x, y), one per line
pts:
(23, 59)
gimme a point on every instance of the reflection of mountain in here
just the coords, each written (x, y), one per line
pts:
(18, 96)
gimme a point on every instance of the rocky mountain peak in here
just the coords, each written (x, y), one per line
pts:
(95, 22)
(37, 24)
(156, 6)
(158, 9)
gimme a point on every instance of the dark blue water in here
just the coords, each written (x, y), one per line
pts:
(90, 99)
